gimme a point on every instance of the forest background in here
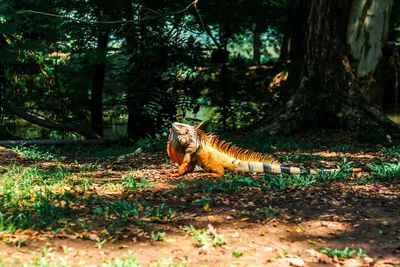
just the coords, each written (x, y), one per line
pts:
(127, 69)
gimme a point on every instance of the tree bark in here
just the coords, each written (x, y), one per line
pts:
(292, 43)
(96, 103)
(330, 95)
(367, 31)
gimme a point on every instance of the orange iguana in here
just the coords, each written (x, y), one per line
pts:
(189, 146)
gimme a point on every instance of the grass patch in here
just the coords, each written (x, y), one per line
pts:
(205, 237)
(299, 157)
(205, 200)
(134, 183)
(391, 151)
(84, 151)
(49, 198)
(129, 260)
(231, 183)
(268, 212)
(383, 171)
(33, 197)
(157, 236)
(161, 212)
(343, 253)
(237, 254)
(121, 210)
(36, 152)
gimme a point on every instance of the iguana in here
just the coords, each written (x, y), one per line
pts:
(189, 146)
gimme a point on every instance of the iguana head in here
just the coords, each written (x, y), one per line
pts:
(183, 139)
(183, 134)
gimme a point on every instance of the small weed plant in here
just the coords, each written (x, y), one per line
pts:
(161, 212)
(157, 236)
(129, 260)
(343, 253)
(35, 152)
(268, 212)
(134, 183)
(299, 157)
(392, 151)
(205, 237)
(237, 254)
(385, 171)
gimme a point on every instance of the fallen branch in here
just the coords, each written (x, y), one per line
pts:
(64, 127)
(53, 142)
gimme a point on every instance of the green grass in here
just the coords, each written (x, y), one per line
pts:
(299, 157)
(205, 200)
(122, 210)
(157, 236)
(391, 151)
(232, 183)
(343, 253)
(268, 212)
(38, 198)
(237, 254)
(32, 197)
(384, 171)
(129, 260)
(161, 212)
(44, 262)
(205, 237)
(55, 152)
(134, 183)
(36, 152)
(78, 151)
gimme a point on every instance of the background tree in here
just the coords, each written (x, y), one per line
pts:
(330, 94)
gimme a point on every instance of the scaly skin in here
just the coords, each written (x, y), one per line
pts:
(189, 146)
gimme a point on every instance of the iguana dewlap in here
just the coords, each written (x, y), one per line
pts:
(189, 146)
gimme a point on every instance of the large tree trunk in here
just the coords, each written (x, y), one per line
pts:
(96, 105)
(366, 33)
(292, 43)
(330, 95)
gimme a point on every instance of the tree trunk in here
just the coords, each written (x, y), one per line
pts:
(256, 44)
(292, 43)
(329, 95)
(367, 31)
(96, 104)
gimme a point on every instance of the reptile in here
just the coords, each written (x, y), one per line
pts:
(189, 146)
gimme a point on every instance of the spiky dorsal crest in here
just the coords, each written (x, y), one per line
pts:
(232, 150)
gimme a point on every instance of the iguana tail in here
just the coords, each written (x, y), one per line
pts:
(265, 167)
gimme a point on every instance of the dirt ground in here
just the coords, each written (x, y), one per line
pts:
(333, 214)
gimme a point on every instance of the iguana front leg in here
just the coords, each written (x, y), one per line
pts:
(187, 165)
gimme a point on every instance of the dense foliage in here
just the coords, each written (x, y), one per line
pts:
(69, 65)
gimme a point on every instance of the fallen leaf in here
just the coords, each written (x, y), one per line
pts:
(206, 207)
